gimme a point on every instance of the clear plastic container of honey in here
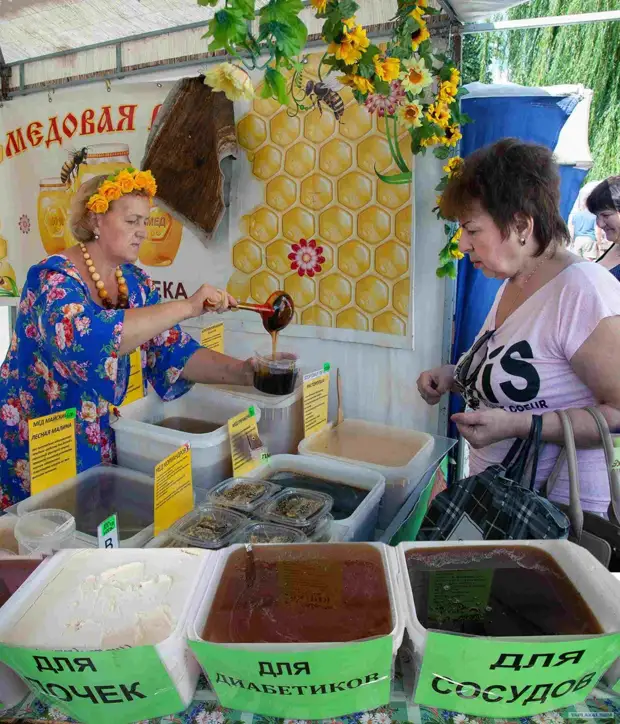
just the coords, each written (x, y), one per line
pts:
(53, 214)
(103, 158)
(164, 234)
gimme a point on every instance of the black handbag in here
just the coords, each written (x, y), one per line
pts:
(599, 536)
(499, 503)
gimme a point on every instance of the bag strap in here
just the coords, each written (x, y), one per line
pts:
(519, 456)
(575, 511)
(614, 475)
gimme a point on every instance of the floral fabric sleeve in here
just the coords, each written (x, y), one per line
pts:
(167, 353)
(79, 339)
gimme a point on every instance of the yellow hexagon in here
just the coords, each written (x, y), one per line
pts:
(335, 291)
(281, 193)
(301, 289)
(311, 66)
(318, 127)
(374, 152)
(316, 192)
(284, 128)
(298, 224)
(328, 255)
(354, 190)
(392, 260)
(262, 285)
(251, 131)
(335, 157)
(403, 225)
(393, 195)
(276, 256)
(353, 259)
(352, 319)
(247, 256)
(347, 96)
(316, 316)
(299, 160)
(239, 286)
(373, 224)
(356, 122)
(371, 294)
(335, 224)
(389, 323)
(265, 106)
(263, 225)
(267, 162)
(402, 289)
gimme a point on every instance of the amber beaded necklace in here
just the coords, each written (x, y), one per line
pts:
(123, 291)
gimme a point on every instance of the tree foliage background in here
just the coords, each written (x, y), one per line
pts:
(586, 54)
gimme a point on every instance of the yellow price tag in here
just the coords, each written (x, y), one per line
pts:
(246, 449)
(213, 337)
(615, 465)
(316, 401)
(135, 385)
(174, 494)
(51, 441)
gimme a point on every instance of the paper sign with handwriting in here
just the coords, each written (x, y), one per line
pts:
(213, 337)
(174, 495)
(246, 448)
(51, 441)
(316, 400)
(135, 384)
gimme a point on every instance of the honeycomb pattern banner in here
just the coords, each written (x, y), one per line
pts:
(312, 218)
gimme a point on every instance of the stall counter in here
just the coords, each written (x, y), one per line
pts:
(604, 706)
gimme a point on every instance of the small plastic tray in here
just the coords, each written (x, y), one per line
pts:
(320, 504)
(223, 494)
(227, 521)
(258, 533)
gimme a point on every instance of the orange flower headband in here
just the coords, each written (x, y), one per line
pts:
(124, 182)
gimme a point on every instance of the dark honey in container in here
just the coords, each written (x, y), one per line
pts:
(301, 594)
(509, 591)
(189, 425)
(277, 375)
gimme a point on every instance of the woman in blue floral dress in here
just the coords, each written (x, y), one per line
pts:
(80, 316)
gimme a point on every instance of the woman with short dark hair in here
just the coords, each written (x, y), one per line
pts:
(552, 338)
(604, 203)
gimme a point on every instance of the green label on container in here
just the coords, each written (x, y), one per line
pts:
(510, 679)
(320, 684)
(98, 687)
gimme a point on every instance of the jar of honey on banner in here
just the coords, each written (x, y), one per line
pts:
(103, 159)
(163, 239)
(53, 214)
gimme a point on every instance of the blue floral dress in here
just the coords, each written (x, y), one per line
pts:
(64, 354)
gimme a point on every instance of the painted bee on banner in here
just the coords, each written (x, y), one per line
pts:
(326, 92)
(70, 168)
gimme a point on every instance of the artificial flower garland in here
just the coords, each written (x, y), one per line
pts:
(403, 82)
(126, 181)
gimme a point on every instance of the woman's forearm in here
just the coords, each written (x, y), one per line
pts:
(584, 426)
(211, 367)
(143, 323)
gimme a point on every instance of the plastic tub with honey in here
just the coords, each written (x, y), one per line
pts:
(242, 494)
(357, 492)
(391, 451)
(94, 495)
(14, 572)
(531, 591)
(277, 605)
(142, 441)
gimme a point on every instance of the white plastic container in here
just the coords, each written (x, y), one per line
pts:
(598, 589)
(8, 542)
(196, 628)
(45, 531)
(173, 651)
(282, 419)
(400, 480)
(94, 495)
(361, 524)
(141, 444)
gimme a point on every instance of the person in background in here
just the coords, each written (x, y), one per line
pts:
(584, 233)
(604, 203)
(552, 338)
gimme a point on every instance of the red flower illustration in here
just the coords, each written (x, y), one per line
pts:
(306, 258)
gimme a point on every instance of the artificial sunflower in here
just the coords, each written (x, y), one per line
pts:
(418, 15)
(447, 92)
(351, 46)
(411, 115)
(454, 166)
(319, 5)
(419, 36)
(452, 137)
(231, 80)
(439, 113)
(455, 77)
(357, 82)
(431, 141)
(388, 69)
(415, 76)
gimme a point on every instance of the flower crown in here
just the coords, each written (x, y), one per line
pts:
(123, 182)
